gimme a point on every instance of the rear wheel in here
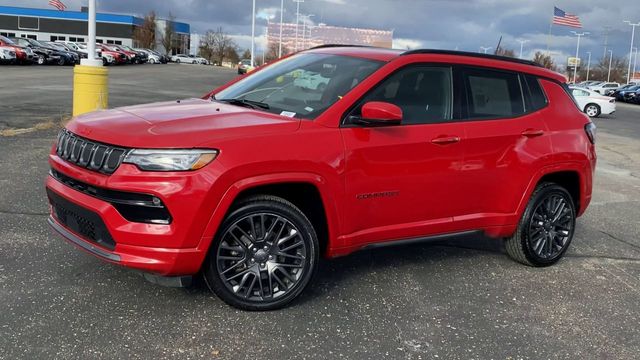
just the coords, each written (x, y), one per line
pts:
(545, 229)
(152, 61)
(61, 61)
(593, 110)
(263, 256)
(178, 61)
(41, 60)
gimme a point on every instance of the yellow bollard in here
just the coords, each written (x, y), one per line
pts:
(90, 89)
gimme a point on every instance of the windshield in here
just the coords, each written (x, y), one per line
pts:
(303, 85)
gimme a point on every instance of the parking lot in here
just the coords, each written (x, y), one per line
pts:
(453, 300)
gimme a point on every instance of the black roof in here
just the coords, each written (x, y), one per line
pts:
(441, 52)
(472, 54)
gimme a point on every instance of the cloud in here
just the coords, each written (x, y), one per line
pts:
(445, 24)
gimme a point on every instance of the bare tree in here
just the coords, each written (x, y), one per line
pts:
(246, 54)
(145, 34)
(505, 52)
(272, 51)
(544, 60)
(600, 70)
(168, 35)
(217, 46)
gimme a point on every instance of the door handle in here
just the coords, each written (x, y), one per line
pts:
(532, 132)
(444, 140)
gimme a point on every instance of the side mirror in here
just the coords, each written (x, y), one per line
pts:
(378, 113)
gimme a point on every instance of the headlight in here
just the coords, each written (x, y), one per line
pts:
(170, 160)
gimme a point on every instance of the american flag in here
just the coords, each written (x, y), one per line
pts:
(562, 18)
(57, 4)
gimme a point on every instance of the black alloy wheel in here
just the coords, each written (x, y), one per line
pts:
(546, 228)
(264, 255)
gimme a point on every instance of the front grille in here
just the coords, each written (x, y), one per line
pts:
(89, 154)
(82, 221)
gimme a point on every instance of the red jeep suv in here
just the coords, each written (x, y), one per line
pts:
(323, 153)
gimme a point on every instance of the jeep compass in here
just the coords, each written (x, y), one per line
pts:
(252, 184)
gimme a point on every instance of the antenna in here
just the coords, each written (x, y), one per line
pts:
(498, 47)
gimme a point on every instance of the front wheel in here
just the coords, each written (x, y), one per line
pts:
(546, 227)
(178, 61)
(263, 256)
(592, 110)
(41, 60)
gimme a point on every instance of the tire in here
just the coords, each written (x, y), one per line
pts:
(193, 62)
(593, 110)
(61, 61)
(240, 260)
(177, 61)
(41, 60)
(539, 241)
(152, 61)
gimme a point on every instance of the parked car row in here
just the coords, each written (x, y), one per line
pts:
(18, 50)
(627, 93)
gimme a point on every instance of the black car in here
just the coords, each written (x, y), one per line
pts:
(47, 54)
(622, 95)
(614, 92)
(65, 47)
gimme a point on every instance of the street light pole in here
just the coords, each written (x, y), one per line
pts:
(253, 33)
(635, 60)
(610, 58)
(588, 65)
(485, 49)
(281, 23)
(575, 67)
(297, 19)
(522, 42)
(633, 32)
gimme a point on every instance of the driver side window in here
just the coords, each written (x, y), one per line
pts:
(424, 93)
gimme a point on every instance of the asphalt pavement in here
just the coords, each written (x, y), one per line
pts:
(454, 300)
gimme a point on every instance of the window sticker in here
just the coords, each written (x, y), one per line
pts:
(288, 113)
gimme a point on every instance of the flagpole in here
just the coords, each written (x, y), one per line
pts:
(549, 36)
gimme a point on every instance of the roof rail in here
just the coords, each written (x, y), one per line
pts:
(466, 53)
(337, 45)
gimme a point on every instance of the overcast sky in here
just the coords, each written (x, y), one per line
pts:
(447, 24)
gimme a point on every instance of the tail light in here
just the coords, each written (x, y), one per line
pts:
(590, 129)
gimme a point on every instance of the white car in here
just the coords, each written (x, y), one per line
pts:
(601, 88)
(592, 103)
(80, 47)
(310, 80)
(188, 59)
(153, 58)
(7, 54)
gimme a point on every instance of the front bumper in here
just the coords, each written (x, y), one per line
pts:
(173, 249)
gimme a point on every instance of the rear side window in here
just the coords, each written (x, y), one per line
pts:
(537, 99)
(493, 94)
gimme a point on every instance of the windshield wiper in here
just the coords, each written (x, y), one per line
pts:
(248, 103)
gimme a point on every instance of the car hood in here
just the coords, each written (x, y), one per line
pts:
(178, 124)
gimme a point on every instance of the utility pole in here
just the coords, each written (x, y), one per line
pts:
(588, 65)
(253, 33)
(522, 42)
(485, 49)
(610, 58)
(281, 24)
(297, 19)
(305, 18)
(575, 67)
(633, 33)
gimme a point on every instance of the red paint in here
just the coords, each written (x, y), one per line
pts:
(376, 183)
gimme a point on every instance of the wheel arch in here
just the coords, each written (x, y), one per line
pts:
(571, 176)
(309, 192)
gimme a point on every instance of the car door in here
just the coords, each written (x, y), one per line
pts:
(506, 143)
(404, 180)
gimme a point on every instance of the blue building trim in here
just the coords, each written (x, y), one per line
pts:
(181, 27)
(71, 15)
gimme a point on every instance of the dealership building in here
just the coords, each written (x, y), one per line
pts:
(52, 25)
